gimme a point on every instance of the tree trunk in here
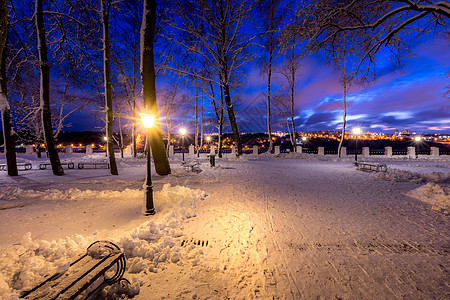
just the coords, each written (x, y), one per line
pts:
(196, 111)
(8, 136)
(162, 165)
(269, 75)
(201, 123)
(105, 6)
(44, 69)
(294, 135)
(121, 136)
(232, 117)
(133, 133)
(344, 117)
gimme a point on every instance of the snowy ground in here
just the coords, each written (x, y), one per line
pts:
(289, 227)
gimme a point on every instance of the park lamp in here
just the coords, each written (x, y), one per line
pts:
(208, 139)
(357, 132)
(418, 139)
(148, 121)
(183, 133)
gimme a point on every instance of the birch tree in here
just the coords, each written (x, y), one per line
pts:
(148, 30)
(8, 135)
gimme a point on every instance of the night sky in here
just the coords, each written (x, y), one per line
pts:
(409, 98)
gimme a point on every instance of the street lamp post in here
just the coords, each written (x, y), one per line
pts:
(183, 133)
(148, 121)
(357, 131)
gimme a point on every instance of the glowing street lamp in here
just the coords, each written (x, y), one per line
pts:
(357, 132)
(148, 121)
(208, 139)
(418, 139)
(183, 133)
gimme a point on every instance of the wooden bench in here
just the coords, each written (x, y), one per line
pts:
(102, 264)
(364, 166)
(20, 167)
(193, 166)
(93, 165)
(69, 165)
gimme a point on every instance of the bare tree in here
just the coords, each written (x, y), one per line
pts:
(148, 84)
(8, 136)
(286, 99)
(218, 27)
(273, 13)
(105, 6)
(381, 23)
(172, 101)
(44, 71)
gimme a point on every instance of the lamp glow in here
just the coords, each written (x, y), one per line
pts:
(147, 120)
(417, 138)
(183, 131)
(208, 138)
(356, 130)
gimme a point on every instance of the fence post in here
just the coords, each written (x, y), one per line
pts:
(321, 151)
(411, 152)
(434, 151)
(366, 151)
(191, 150)
(29, 150)
(89, 150)
(343, 151)
(299, 149)
(255, 150)
(277, 150)
(388, 151)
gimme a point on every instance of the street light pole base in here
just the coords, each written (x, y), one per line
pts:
(150, 212)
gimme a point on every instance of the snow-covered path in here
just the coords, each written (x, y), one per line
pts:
(327, 230)
(275, 228)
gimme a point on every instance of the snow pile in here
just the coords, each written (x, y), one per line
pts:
(147, 247)
(397, 175)
(11, 193)
(434, 194)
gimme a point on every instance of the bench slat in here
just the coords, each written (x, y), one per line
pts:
(81, 274)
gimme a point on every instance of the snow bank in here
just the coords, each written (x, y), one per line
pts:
(147, 247)
(11, 193)
(434, 194)
(397, 175)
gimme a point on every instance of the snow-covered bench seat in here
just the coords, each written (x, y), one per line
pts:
(93, 165)
(371, 166)
(102, 264)
(193, 166)
(69, 165)
(20, 167)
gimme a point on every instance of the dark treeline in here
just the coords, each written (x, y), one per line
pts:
(63, 56)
